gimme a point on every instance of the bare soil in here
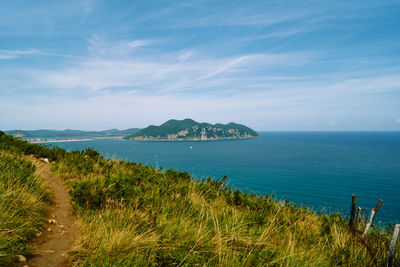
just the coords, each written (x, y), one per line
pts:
(61, 230)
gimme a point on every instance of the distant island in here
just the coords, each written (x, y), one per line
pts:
(190, 130)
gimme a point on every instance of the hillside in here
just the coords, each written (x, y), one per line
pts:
(135, 215)
(23, 203)
(189, 129)
(69, 134)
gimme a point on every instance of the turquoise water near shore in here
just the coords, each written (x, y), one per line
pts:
(316, 169)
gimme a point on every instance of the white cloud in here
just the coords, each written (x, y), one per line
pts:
(164, 72)
(290, 103)
(184, 4)
(231, 15)
(397, 120)
(11, 54)
(100, 47)
(240, 82)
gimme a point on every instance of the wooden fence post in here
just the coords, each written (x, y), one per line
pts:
(390, 255)
(358, 216)
(372, 217)
(353, 211)
(378, 206)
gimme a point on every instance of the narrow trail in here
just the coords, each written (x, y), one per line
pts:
(61, 230)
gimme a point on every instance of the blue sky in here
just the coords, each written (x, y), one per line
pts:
(272, 65)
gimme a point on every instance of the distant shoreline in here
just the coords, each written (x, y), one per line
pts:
(58, 141)
(187, 139)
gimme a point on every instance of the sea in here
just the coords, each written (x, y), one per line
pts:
(320, 170)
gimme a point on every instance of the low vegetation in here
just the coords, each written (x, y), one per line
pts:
(23, 202)
(137, 215)
(21, 147)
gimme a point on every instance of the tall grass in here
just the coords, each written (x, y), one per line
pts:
(23, 201)
(137, 215)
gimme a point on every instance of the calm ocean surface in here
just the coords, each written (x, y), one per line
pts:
(316, 169)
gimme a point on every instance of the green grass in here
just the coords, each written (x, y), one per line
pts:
(23, 202)
(135, 215)
(21, 147)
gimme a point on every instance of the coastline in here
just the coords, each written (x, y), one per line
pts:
(187, 139)
(74, 140)
(58, 141)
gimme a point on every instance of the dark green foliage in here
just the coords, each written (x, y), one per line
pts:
(130, 187)
(330, 220)
(10, 143)
(87, 193)
(175, 175)
(169, 127)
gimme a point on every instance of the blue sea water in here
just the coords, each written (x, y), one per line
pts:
(316, 169)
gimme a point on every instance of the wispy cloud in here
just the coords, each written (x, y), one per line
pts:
(11, 54)
(233, 19)
(163, 72)
(264, 63)
(182, 3)
(229, 84)
(100, 47)
(287, 104)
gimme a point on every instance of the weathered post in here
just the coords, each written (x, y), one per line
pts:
(378, 206)
(353, 211)
(390, 255)
(372, 217)
(358, 218)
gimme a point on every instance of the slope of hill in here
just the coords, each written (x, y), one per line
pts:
(189, 129)
(135, 215)
(23, 203)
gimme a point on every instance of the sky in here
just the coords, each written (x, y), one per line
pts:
(271, 65)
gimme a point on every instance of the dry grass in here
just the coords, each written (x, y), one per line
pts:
(136, 215)
(23, 201)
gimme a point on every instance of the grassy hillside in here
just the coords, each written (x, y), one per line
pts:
(135, 215)
(23, 201)
(23, 197)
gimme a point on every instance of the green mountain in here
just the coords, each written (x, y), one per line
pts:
(189, 129)
(69, 134)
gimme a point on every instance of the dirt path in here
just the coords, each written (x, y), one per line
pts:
(61, 230)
